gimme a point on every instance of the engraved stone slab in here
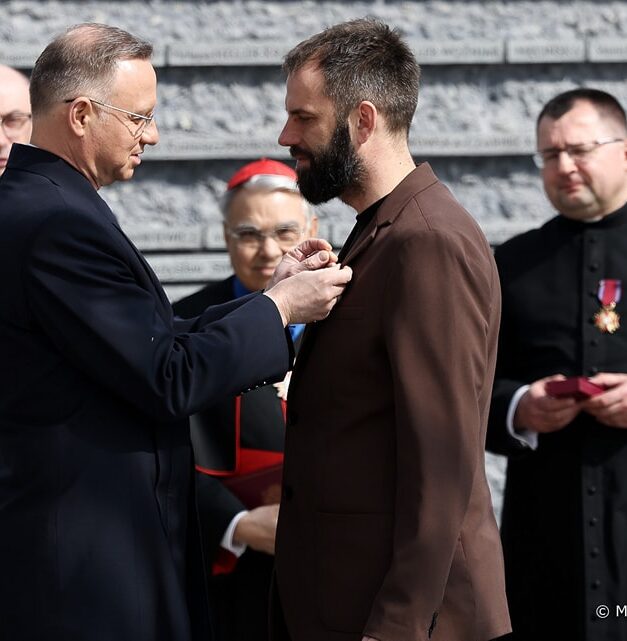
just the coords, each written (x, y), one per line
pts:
(22, 56)
(159, 56)
(535, 51)
(192, 147)
(191, 267)
(458, 52)
(214, 235)
(607, 49)
(176, 292)
(472, 144)
(154, 238)
(249, 52)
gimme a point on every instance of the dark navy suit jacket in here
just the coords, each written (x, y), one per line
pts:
(97, 538)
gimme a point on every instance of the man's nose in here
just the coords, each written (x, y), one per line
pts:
(150, 136)
(287, 137)
(565, 164)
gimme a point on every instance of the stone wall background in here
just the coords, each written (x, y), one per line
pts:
(487, 69)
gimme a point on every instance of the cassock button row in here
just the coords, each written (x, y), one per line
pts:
(596, 584)
(592, 489)
(594, 552)
(594, 266)
(593, 521)
(594, 342)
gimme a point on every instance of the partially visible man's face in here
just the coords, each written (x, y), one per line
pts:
(116, 148)
(588, 187)
(327, 164)
(253, 210)
(14, 107)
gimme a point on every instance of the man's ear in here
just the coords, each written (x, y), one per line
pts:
(367, 117)
(80, 114)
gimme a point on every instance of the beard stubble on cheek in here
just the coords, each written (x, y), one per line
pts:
(332, 170)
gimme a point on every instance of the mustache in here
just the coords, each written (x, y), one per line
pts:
(295, 150)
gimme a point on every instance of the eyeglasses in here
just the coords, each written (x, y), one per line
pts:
(142, 122)
(286, 236)
(13, 123)
(579, 154)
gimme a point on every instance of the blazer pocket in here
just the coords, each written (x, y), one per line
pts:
(353, 553)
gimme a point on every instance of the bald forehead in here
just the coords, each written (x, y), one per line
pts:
(12, 78)
(13, 90)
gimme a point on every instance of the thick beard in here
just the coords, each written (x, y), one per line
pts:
(334, 170)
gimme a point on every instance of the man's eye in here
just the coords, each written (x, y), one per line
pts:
(248, 234)
(286, 233)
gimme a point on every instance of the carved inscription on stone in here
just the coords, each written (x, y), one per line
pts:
(546, 50)
(154, 238)
(459, 52)
(178, 146)
(607, 49)
(228, 53)
(22, 56)
(470, 144)
(191, 267)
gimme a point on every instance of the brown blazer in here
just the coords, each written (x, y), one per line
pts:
(386, 526)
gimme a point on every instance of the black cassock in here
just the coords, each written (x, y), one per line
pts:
(564, 524)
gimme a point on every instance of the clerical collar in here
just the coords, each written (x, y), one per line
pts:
(615, 219)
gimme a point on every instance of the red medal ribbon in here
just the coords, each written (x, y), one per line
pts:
(609, 291)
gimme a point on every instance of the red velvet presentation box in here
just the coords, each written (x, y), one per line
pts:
(577, 387)
(261, 487)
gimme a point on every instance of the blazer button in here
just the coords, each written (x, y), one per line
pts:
(288, 492)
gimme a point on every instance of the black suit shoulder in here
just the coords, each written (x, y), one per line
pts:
(211, 294)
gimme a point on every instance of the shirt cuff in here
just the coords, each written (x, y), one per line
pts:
(227, 539)
(526, 437)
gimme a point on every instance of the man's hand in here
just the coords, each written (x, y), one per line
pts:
(257, 529)
(539, 412)
(310, 255)
(309, 295)
(610, 407)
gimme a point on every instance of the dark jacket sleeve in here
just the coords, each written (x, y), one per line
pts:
(217, 507)
(84, 286)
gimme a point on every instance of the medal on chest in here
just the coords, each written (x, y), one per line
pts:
(607, 320)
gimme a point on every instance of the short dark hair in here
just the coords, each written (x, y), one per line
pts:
(82, 60)
(602, 101)
(363, 60)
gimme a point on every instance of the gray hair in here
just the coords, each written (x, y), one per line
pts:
(82, 60)
(266, 183)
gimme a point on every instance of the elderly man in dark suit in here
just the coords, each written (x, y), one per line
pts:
(98, 538)
(14, 111)
(386, 529)
(242, 437)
